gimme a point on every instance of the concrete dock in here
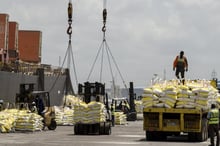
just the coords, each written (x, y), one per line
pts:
(130, 134)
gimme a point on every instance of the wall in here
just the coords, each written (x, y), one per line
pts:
(30, 45)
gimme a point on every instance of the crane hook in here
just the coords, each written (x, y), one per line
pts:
(69, 30)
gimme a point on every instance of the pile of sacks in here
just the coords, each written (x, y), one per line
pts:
(138, 106)
(64, 115)
(120, 118)
(71, 100)
(19, 120)
(7, 122)
(27, 121)
(197, 94)
(93, 112)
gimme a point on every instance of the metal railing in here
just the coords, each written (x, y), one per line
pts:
(30, 69)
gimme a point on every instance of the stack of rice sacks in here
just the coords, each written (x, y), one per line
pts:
(27, 121)
(197, 94)
(65, 114)
(93, 112)
(19, 120)
(138, 106)
(7, 122)
(185, 98)
(120, 118)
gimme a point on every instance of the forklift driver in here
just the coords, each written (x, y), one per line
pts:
(40, 105)
(34, 108)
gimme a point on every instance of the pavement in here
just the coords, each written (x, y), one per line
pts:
(130, 134)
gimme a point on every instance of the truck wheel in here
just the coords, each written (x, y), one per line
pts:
(206, 130)
(149, 135)
(107, 128)
(76, 129)
(192, 136)
(101, 129)
(53, 125)
(203, 135)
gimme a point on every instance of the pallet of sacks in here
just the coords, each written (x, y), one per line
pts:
(27, 121)
(138, 106)
(120, 118)
(93, 112)
(195, 94)
(13, 120)
(7, 122)
(64, 116)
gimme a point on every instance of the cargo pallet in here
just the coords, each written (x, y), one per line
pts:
(103, 128)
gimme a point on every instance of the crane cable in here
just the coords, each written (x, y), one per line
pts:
(104, 14)
(104, 46)
(69, 32)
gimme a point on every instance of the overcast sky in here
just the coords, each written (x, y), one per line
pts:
(144, 36)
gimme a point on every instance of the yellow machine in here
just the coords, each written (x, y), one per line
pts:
(88, 91)
(48, 112)
(162, 122)
(41, 100)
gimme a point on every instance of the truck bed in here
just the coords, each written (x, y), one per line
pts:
(173, 120)
(162, 122)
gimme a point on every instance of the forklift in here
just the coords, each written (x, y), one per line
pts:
(94, 92)
(125, 105)
(27, 98)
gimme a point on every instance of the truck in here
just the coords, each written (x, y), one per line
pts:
(94, 92)
(161, 122)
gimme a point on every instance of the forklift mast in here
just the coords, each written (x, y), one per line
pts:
(131, 96)
(132, 116)
(25, 90)
(90, 91)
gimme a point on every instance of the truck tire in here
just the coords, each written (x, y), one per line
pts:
(192, 136)
(76, 129)
(107, 127)
(203, 135)
(101, 129)
(53, 125)
(149, 136)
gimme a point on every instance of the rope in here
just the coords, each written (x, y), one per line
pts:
(95, 61)
(109, 61)
(69, 49)
(59, 72)
(116, 66)
(74, 66)
(100, 78)
(104, 47)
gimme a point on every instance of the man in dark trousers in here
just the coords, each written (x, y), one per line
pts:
(113, 114)
(181, 65)
(213, 121)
